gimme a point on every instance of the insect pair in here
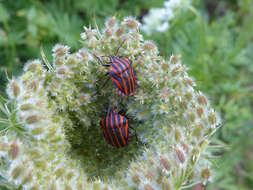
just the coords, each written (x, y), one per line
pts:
(115, 126)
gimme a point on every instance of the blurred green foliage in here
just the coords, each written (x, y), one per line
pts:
(215, 38)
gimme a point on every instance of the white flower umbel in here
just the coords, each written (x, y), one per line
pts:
(54, 139)
(158, 19)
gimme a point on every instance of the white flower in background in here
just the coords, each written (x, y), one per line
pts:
(158, 18)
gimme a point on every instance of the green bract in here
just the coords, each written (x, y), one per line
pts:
(58, 143)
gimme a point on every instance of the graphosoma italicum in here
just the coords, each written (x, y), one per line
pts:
(122, 74)
(116, 129)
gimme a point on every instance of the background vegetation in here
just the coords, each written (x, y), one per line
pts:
(215, 38)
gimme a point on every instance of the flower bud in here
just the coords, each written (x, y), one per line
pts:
(120, 31)
(149, 174)
(14, 89)
(33, 119)
(33, 66)
(202, 99)
(34, 85)
(59, 61)
(37, 130)
(212, 118)
(180, 156)
(17, 171)
(14, 151)
(131, 23)
(111, 22)
(27, 179)
(178, 134)
(165, 163)
(185, 147)
(149, 46)
(189, 96)
(206, 173)
(148, 187)
(26, 107)
(175, 58)
(4, 146)
(135, 178)
(200, 111)
(59, 172)
(34, 187)
(166, 184)
(108, 32)
(188, 81)
(72, 60)
(60, 50)
(67, 187)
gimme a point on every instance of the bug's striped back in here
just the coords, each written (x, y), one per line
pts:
(123, 75)
(115, 129)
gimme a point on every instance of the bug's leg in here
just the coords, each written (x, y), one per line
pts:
(103, 76)
(120, 47)
(134, 133)
(105, 56)
(106, 82)
(101, 62)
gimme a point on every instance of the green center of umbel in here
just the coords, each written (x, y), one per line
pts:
(98, 158)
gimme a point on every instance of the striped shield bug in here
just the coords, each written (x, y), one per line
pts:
(121, 73)
(116, 129)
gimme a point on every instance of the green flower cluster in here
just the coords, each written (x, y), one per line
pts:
(59, 143)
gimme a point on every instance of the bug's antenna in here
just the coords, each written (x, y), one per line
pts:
(120, 47)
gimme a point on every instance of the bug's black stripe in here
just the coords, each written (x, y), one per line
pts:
(123, 127)
(120, 129)
(124, 75)
(128, 70)
(118, 78)
(133, 79)
(121, 66)
(112, 128)
(104, 131)
(117, 129)
(118, 69)
(126, 78)
(120, 121)
(114, 66)
(125, 122)
(130, 73)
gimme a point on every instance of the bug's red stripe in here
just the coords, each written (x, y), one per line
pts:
(123, 69)
(131, 73)
(124, 125)
(117, 82)
(128, 82)
(125, 86)
(104, 131)
(132, 76)
(117, 121)
(125, 129)
(113, 128)
(128, 72)
(108, 130)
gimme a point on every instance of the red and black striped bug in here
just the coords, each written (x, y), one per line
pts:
(116, 129)
(121, 73)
